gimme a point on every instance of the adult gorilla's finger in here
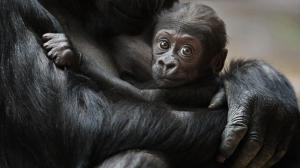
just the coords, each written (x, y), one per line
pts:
(254, 142)
(270, 144)
(276, 158)
(263, 157)
(247, 153)
(282, 147)
(218, 100)
(234, 132)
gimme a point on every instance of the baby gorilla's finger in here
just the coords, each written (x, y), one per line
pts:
(59, 47)
(52, 54)
(55, 42)
(48, 36)
(57, 52)
(48, 46)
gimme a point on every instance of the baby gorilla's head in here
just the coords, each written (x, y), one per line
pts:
(189, 45)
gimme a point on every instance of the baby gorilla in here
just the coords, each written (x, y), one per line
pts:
(188, 52)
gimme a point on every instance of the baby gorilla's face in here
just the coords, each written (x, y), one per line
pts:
(176, 58)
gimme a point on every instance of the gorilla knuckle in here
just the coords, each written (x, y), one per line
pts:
(239, 121)
(255, 137)
(64, 45)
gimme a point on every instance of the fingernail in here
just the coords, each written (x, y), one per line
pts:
(221, 159)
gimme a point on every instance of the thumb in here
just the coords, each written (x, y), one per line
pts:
(218, 100)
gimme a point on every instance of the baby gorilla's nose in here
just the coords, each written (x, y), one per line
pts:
(168, 67)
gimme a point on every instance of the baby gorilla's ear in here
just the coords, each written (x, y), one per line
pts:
(218, 61)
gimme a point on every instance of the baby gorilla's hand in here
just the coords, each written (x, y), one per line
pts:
(60, 50)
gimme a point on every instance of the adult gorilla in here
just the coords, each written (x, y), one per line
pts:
(53, 118)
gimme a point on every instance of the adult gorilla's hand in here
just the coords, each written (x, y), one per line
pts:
(262, 116)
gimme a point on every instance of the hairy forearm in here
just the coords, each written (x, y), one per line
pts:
(189, 137)
(181, 135)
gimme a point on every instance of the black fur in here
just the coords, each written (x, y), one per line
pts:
(104, 18)
(54, 118)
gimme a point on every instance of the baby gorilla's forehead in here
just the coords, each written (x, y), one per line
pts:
(179, 36)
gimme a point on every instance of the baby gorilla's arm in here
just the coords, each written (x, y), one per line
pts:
(197, 94)
(63, 54)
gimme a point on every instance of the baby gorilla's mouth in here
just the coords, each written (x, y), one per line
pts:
(165, 81)
(169, 82)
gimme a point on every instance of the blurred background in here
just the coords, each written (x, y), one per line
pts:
(263, 29)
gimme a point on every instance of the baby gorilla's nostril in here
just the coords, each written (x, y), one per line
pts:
(161, 63)
(170, 66)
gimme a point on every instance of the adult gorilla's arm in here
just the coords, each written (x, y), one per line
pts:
(263, 111)
(54, 118)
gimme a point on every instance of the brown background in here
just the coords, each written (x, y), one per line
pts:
(263, 29)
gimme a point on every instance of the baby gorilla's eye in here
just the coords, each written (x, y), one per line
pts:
(186, 51)
(164, 44)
